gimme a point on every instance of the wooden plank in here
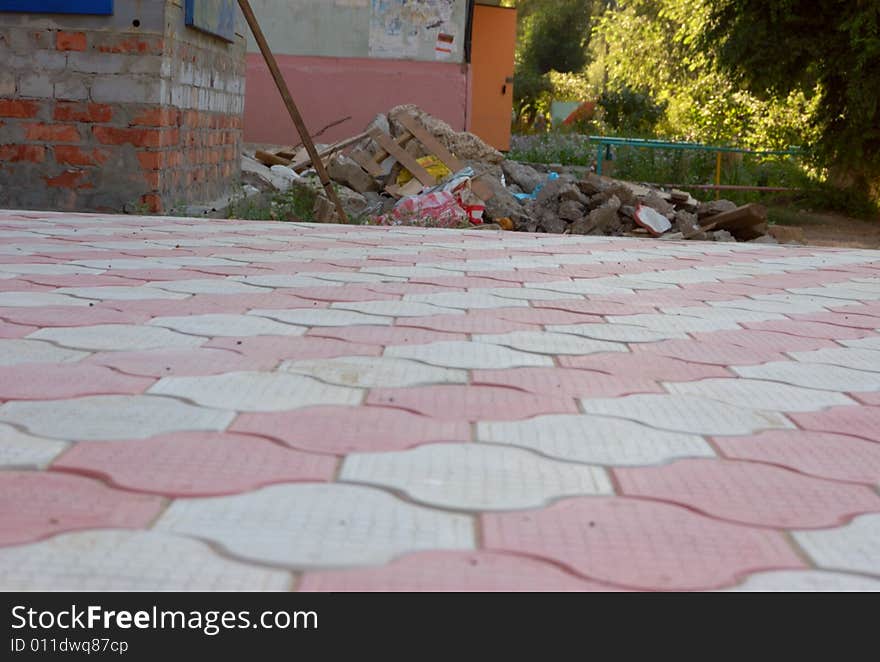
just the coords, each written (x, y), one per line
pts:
(744, 223)
(403, 157)
(269, 159)
(366, 162)
(433, 145)
(328, 151)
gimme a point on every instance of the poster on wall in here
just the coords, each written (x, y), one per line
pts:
(403, 29)
(215, 17)
(99, 7)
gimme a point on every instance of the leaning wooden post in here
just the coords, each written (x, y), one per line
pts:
(260, 38)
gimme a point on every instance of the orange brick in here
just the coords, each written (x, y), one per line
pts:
(152, 160)
(157, 117)
(18, 108)
(14, 153)
(153, 202)
(70, 41)
(74, 155)
(69, 179)
(67, 111)
(56, 133)
(134, 45)
(111, 135)
(152, 179)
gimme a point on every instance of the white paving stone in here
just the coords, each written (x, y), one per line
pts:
(217, 325)
(595, 440)
(256, 391)
(407, 272)
(323, 317)
(814, 375)
(807, 581)
(14, 351)
(581, 286)
(475, 477)
(771, 306)
(46, 269)
(38, 300)
(722, 314)
(543, 342)
(115, 560)
(19, 449)
(871, 342)
(120, 293)
(469, 355)
(464, 300)
(854, 547)
(526, 294)
(659, 322)
(678, 276)
(616, 332)
(285, 281)
(374, 372)
(124, 263)
(682, 413)
(845, 357)
(116, 337)
(206, 286)
(353, 277)
(111, 417)
(759, 394)
(394, 308)
(842, 291)
(318, 526)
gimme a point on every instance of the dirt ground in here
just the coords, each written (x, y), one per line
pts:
(830, 229)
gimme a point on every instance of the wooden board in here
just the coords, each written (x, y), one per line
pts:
(403, 157)
(744, 223)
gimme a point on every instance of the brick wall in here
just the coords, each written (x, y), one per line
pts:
(101, 114)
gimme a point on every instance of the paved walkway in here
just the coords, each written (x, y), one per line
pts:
(192, 404)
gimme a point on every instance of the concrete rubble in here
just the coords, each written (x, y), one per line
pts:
(517, 196)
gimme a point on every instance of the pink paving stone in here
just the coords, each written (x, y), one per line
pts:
(400, 289)
(54, 316)
(453, 571)
(596, 307)
(194, 464)
(739, 288)
(36, 505)
(750, 493)
(54, 382)
(385, 336)
(82, 280)
(277, 348)
(867, 398)
(477, 321)
(271, 268)
(197, 362)
(765, 340)
(639, 544)
(163, 275)
(821, 454)
(457, 402)
(336, 294)
(861, 422)
(203, 304)
(9, 330)
(342, 430)
(544, 316)
(16, 285)
(711, 353)
(841, 318)
(637, 365)
(810, 329)
(566, 383)
(464, 282)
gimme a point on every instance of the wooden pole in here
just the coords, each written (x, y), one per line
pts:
(304, 135)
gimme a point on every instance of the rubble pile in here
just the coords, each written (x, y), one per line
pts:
(408, 161)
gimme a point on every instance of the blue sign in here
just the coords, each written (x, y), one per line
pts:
(101, 7)
(216, 17)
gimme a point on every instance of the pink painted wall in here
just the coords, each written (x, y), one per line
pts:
(327, 89)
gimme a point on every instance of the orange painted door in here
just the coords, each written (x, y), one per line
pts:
(493, 45)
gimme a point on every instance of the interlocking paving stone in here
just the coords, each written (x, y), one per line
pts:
(38, 299)
(35, 505)
(821, 454)
(195, 464)
(227, 326)
(813, 375)
(51, 382)
(845, 357)
(854, 547)
(18, 449)
(386, 336)
(707, 352)
(17, 351)
(179, 362)
(344, 430)
(464, 300)
(657, 367)
(469, 403)
(256, 391)
(315, 526)
(595, 440)
(374, 372)
(109, 417)
(807, 581)
(116, 337)
(565, 382)
(857, 421)
(750, 493)
(117, 293)
(460, 354)
(474, 477)
(639, 544)
(452, 571)
(685, 413)
(871, 342)
(129, 561)
(391, 308)
(322, 317)
(480, 321)
(544, 342)
(759, 394)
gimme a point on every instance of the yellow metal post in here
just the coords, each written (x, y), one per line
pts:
(718, 175)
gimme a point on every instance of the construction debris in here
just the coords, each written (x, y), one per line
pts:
(410, 168)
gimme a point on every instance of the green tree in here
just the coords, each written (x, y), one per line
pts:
(779, 47)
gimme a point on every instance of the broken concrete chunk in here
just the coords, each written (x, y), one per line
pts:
(722, 235)
(606, 220)
(656, 202)
(652, 220)
(525, 177)
(709, 209)
(570, 210)
(592, 184)
(345, 171)
(583, 226)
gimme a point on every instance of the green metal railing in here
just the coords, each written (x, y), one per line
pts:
(604, 144)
